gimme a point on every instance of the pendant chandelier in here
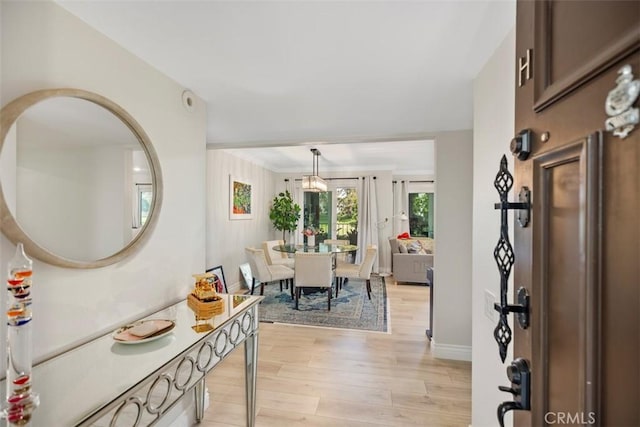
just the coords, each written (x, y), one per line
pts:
(313, 183)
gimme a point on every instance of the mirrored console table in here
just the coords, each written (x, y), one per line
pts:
(108, 383)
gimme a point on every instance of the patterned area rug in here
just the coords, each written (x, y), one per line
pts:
(351, 310)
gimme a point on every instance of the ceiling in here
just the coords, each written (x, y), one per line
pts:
(333, 73)
(346, 157)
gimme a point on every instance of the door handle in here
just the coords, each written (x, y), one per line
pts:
(519, 375)
(505, 259)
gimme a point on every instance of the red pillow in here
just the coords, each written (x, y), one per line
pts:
(404, 235)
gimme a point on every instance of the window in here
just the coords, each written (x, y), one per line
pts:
(421, 214)
(317, 213)
(143, 204)
(347, 214)
(334, 214)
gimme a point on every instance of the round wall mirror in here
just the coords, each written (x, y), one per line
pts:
(80, 181)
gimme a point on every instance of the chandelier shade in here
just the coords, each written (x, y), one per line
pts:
(313, 183)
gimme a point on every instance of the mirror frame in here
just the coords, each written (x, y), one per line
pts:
(9, 224)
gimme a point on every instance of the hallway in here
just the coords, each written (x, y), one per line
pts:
(330, 377)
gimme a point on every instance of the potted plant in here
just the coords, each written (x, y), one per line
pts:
(284, 213)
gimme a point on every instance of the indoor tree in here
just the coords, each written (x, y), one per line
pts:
(284, 213)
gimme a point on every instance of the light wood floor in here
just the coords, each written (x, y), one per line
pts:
(331, 377)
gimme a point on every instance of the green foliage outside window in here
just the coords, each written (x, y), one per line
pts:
(319, 211)
(347, 205)
(347, 214)
(421, 214)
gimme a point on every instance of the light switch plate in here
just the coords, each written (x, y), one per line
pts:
(489, 311)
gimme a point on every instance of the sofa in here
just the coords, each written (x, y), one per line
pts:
(410, 259)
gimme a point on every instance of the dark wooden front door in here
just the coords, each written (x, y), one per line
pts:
(579, 258)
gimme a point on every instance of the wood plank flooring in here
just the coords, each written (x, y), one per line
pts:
(332, 377)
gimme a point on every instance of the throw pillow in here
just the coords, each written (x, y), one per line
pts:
(403, 249)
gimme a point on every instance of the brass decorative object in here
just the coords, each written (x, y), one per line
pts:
(205, 301)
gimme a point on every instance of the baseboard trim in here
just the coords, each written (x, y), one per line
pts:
(451, 351)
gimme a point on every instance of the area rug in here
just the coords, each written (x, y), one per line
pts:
(352, 309)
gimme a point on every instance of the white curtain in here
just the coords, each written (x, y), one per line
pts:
(397, 206)
(400, 204)
(297, 194)
(367, 218)
(404, 227)
(298, 197)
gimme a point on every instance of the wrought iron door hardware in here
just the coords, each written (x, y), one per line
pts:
(521, 309)
(519, 374)
(520, 145)
(505, 258)
(523, 206)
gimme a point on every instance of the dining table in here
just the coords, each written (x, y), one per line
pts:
(321, 247)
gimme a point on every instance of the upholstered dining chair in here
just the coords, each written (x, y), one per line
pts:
(358, 271)
(266, 273)
(313, 270)
(275, 257)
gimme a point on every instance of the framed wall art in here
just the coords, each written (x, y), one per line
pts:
(245, 270)
(221, 284)
(240, 199)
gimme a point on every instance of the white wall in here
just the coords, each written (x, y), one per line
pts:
(226, 239)
(493, 129)
(8, 168)
(452, 259)
(90, 181)
(43, 46)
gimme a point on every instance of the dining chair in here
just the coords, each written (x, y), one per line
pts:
(266, 273)
(276, 257)
(357, 271)
(313, 270)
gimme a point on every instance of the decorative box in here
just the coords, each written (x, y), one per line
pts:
(204, 300)
(205, 309)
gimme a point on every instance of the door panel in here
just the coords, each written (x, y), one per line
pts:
(620, 321)
(580, 256)
(576, 41)
(566, 280)
(560, 289)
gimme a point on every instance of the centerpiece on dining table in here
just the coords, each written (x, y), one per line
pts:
(309, 234)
